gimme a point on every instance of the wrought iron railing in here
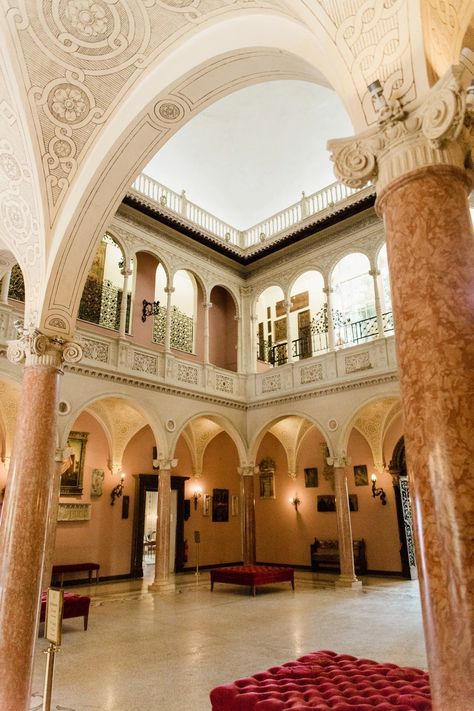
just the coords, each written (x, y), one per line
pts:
(101, 302)
(182, 329)
(314, 339)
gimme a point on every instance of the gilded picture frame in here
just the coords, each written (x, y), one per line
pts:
(72, 478)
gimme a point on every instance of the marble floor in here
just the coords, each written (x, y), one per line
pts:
(148, 651)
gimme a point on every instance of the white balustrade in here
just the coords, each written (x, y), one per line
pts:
(303, 210)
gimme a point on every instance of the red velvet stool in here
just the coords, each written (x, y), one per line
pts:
(73, 606)
(326, 681)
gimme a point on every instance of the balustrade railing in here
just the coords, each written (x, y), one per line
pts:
(309, 205)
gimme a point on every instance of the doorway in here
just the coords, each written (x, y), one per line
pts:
(144, 524)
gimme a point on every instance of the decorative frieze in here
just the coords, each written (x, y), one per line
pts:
(354, 363)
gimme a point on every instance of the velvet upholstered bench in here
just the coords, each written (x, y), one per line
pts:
(73, 606)
(326, 681)
(252, 575)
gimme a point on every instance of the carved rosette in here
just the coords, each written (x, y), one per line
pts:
(439, 132)
(35, 348)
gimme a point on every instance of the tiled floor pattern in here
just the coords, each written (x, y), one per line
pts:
(165, 652)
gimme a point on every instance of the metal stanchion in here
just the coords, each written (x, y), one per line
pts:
(48, 680)
(197, 541)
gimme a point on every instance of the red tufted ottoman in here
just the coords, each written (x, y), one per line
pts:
(323, 681)
(73, 606)
(252, 575)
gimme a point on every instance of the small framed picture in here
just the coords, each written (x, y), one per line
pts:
(267, 487)
(206, 504)
(234, 505)
(361, 477)
(311, 477)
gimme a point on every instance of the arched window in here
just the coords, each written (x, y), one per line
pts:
(272, 345)
(102, 296)
(308, 315)
(354, 312)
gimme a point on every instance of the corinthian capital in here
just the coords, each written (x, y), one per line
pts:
(35, 348)
(438, 132)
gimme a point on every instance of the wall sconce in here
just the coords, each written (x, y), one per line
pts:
(116, 492)
(150, 308)
(378, 492)
(196, 496)
(376, 93)
(295, 501)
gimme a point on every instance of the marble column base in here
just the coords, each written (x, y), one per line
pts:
(347, 581)
(162, 586)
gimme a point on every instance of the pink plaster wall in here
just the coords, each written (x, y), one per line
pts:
(222, 330)
(144, 289)
(105, 539)
(220, 541)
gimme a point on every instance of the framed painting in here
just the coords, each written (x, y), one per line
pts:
(361, 477)
(71, 479)
(311, 477)
(220, 505)
(327, 502)
(234, 505)
(267, 485)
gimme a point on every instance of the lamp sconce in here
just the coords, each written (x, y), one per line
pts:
(378, 491)
(117, 491)
(376, 93)
(295, 501)
(150, 308)
(197, 493)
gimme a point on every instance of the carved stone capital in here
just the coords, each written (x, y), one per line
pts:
(247, 470)
(340, 461)
(439, 132)
(167, 464)
(126, 272)
(169, 289)
(35, 348)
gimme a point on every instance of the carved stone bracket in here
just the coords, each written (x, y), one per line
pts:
(439, 132)
(35, 348)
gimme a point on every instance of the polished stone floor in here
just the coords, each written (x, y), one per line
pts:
(165, 652)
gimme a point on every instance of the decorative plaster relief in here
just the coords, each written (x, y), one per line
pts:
(271, 383)
(224, 383)
(361, 361)
(95, 350)
(311, 373)
(144, 363)
(187, 374)
(74, 512)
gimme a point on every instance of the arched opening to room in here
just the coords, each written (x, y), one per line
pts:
(223, 329)
(308, 323)
(372, 434)
(272, 346)
(150, 276)
(353, 301)
(207, 451)
(107, 293)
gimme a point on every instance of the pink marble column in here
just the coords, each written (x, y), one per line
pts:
(347, 577)
(24, 526)
(248, 515)
(162, 581)
(431, 259)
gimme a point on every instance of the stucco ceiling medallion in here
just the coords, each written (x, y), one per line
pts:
(169, 111)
